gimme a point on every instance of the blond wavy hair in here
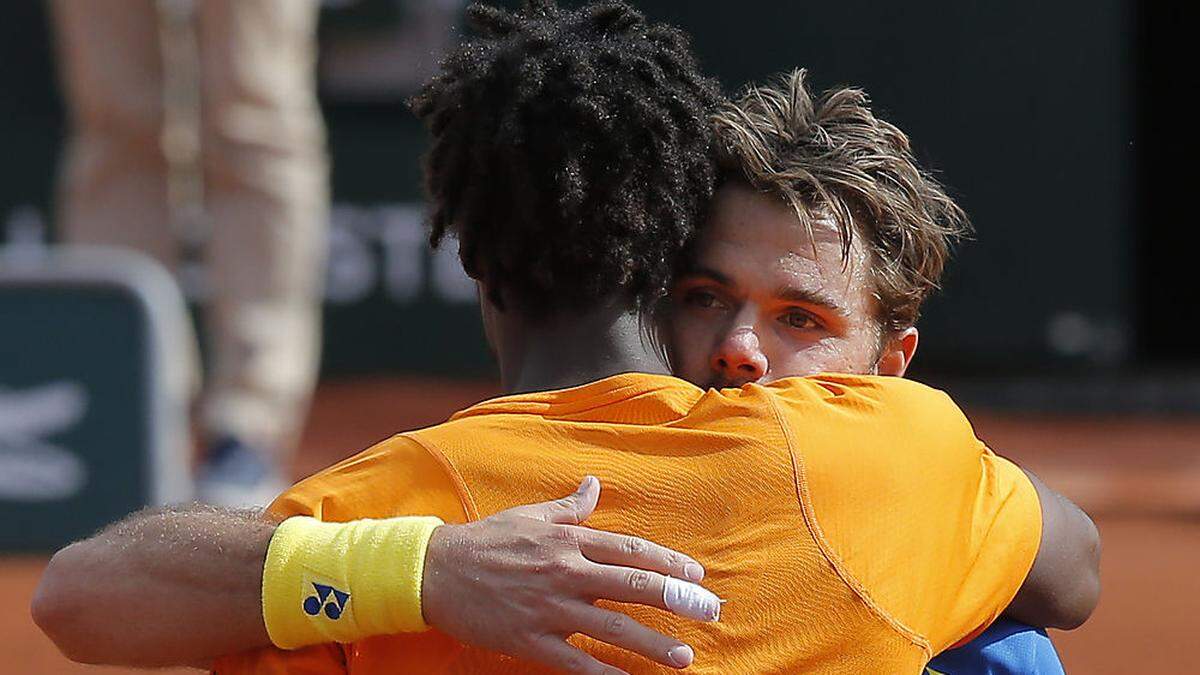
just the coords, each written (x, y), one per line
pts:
(832, 158)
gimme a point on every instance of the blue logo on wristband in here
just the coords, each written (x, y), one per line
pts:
(329, 598)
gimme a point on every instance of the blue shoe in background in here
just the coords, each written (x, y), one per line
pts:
(236, 475)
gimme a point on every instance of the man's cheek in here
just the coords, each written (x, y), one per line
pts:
(812, 359)
(797, 368)
(690, 348)
(694, 366)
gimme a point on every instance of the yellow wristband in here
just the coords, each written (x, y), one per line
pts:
(341, 582)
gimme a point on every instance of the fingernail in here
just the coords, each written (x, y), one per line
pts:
(681, 656)
(693, 571)
(587, 483)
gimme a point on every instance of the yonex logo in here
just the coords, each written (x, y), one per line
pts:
(334, 606)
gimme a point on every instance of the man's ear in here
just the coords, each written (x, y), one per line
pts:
(898, 353)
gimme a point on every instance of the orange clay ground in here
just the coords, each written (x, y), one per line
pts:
(1140, 478)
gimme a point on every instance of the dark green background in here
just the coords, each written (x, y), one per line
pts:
(1025, 109)
(94, 337)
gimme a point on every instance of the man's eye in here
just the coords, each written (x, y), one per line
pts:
(702, 299)
(800, 320)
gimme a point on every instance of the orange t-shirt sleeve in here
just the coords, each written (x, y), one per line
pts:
(397, 477)
(315, 660)
(937, 530)
(1005, 529)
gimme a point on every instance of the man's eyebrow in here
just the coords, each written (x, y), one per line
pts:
(785, 293)
(701, 271)
(811, 297)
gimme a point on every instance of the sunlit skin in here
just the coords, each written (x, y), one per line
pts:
(766, 299)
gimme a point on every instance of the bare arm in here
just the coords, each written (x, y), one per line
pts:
(161, 587)
(184, 586)
(1063, 586)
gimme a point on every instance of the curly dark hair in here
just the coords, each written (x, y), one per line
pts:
(572, 153)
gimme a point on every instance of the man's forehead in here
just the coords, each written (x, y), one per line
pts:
(777, 246)
(738, 207)
(756, 241)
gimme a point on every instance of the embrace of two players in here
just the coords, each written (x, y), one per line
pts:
(705, 307)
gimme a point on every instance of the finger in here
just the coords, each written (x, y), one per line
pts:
(620, 549)
(571, 510)
(556, 652)
(622, 631)
(625, 584)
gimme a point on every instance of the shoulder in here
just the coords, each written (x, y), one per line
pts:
(397, 476)
(882, 419)
(868, 393)
(906, 498)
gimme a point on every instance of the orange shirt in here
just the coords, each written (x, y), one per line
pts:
(854, 524)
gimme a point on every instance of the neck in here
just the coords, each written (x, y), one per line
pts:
(572, 350)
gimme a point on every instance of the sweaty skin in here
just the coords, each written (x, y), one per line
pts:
(767, 298)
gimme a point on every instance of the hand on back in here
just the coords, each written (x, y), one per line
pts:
(521, 581)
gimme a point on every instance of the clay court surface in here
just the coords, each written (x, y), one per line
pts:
(1140, 478)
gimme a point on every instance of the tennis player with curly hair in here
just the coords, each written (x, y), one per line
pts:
(853, 522)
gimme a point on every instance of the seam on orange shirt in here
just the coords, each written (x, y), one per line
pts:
(569, 407)
(809, 514)
(460, 485)
(978, 630)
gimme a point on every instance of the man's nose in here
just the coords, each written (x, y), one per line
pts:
(739, 358)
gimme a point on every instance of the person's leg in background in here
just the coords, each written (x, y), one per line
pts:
(266, 195)
(113, 182)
